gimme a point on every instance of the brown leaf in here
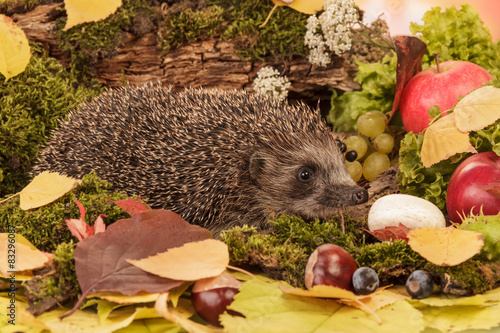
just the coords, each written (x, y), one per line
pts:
(390, 233)
(409, 50)
(445, 246)
(101, 260)
(132, 206)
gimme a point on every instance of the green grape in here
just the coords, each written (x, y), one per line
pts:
(358, 144)
(374, 165)
(371, 124)
(384, 143)
(355, 169)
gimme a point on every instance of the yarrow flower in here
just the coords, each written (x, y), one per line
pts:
(269, 81)
(331, 31)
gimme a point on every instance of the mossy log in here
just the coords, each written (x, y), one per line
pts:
(211, 63)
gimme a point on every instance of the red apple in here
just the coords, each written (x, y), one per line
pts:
(470, 185)
(442, 88)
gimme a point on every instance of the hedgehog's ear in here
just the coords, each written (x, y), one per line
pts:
(256, 165)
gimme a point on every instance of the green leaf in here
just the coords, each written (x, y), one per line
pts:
(267, 309)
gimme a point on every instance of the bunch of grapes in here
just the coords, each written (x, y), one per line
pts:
(366, 153)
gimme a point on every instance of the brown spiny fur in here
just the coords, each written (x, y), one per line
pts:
(218, 158)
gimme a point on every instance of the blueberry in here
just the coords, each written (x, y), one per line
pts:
(351, 155)
(419, 284)
(365, 281)
(342, 146)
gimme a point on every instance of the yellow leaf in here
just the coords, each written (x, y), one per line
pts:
(190, 262)
(16, 257)
(445, 246)
(304, 6)
(119, 298)
(89, 10)
(45, 188)
(320, 291)
(442, 139)
(478, 109)
(14, 48)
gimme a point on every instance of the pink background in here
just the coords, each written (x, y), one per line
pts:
(399, 13)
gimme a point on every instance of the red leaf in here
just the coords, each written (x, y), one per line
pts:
(410, 51)
(80, 229)
(132, 206)
(390, 233)
(100, 261)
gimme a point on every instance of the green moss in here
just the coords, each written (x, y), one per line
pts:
(191, 25)
(30, 106)
(471, 277)
(283, 252)
(90, 41)
(282, 37)
(45, 227)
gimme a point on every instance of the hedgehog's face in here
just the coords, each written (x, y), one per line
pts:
(309, 179)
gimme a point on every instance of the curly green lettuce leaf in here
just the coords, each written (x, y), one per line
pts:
(457, 34)
(432, 183)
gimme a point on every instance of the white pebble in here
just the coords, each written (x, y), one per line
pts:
(413, 212)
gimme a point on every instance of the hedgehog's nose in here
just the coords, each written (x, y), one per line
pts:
(359, 196)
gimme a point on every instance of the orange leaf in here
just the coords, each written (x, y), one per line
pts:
(45, 188)
(303, 6)
(445, 246)
(132, 206)
(478, 109)
(190, 262)
(442, 139)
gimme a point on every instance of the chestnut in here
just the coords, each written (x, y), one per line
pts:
(211, 296)
(330, 265)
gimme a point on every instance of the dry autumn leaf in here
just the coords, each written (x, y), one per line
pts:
(45, 188)
(14, 48)
(190, 262)
(88, 11)
(478, 109)
(445, 246)
(25, 257)
(442, 139)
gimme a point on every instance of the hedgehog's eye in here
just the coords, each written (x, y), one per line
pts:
(305, 174)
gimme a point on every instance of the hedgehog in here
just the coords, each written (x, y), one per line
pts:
(218, 158)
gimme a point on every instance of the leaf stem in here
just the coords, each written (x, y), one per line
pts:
(436, 57)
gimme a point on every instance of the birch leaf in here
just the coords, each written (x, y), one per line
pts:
(442, 140)
(88, 11)
(190, 262)
(14, 48)
(445, 246)
(46, 188)
(478, 109)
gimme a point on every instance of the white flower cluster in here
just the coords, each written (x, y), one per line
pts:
(269, 82)
(331, 31)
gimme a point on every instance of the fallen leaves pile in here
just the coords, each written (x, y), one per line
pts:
(136, 275)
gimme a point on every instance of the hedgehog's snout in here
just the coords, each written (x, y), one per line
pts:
(359, 196)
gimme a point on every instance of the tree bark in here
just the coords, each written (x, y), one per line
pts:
(213, 63)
